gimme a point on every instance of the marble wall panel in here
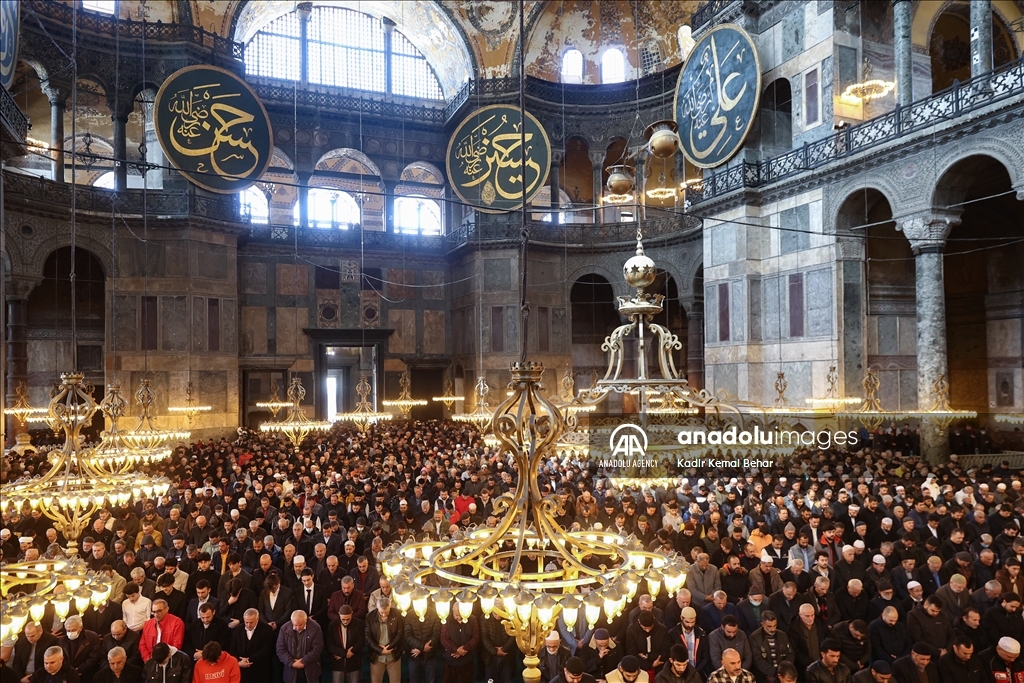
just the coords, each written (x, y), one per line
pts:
(212, 261)
(228, 326)
(908, 335)
(497, 275)
(198, 330)
(434, 333)
(292, 279)
(737, 308)
(434, 279)
(213, 389)
(559, 330)
(254, 278)
(126, 321)
(174, 323)
(254, 330)
(792, 35)
(398, 281)
(818, 295)
(291, 340)
(404, 324)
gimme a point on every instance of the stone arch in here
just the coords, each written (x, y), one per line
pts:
(343, 154)
(98, 248)
(954, 177)
(613, 277)
(844, 191)
(927, 13)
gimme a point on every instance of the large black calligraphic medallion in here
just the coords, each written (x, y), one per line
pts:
(717, 96)
(485, 158)
(10, 24)
(213, 128)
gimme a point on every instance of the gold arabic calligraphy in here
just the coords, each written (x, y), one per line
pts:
(485, 154)
(204, 125)
(710, 100)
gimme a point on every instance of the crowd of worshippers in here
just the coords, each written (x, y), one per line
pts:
(263, 566)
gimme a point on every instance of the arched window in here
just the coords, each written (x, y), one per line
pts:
(650, 57)
(686, 41)
(104, 6)
(344, 48)
(572, 66)
(613, 66)
(254, 207)
(330, 208)
(106, 181)
(417, 215)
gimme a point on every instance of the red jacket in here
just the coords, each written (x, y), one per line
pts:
(172, 631)
(226, 670)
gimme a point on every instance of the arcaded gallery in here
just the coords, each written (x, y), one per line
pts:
(359, 339)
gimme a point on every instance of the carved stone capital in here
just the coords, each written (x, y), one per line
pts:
(597, 158)
(927, 230)
(850, 250)
(557, 157)
(20, 286)
(1020, 192)
(693, 307)
(56, 92)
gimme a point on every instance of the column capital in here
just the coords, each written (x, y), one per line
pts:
(120, 108)
(693, 306)
(56, 92)
(597, 158)
(927, 230)
(1020, 191)
(557, 156)
(20, 286)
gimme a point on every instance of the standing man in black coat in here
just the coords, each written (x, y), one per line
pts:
(499, 650)
(123, 637)
(29, 650)
(208, 628)
(959, 665)
(344, 639)
(253, 645)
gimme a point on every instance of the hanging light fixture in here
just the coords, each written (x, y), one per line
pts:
(620, 184)
(191, 409)
(115, 454)
(448, 398)
(22, 409)
(146, 436)
(662, 139)
(274, 404)
(832, 402)
(663, 191)
(871, 414)
(364, 415)
(481, 415)
(296, 427)
(405, 402)
(940, 411)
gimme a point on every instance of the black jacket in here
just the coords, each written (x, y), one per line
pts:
(337, 651)
(993, 664)
(67, 674)
(419, 633)
(703, 654)
(131, 673)
(259, 651)
(954, 670)
(395, 631)
(888, 643)
(851, 608)
(855, 654)
(798, 640)
(936, 631)
(179, 669)
(905, 671)
(997, 623)
(84, 654)
(130, 643)
(456, 634)
(22, 649)
(817, 673)
(197, 635)
(763, 669)
(493, 636)
(636, 644)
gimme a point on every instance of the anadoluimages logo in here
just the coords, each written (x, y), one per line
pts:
(628, 441)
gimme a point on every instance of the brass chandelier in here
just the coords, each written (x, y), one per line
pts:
(22, 409)
(296, 427)
(405, 402)
(364, 415)
(191, 409)
(528, 570)
(274, 402)
(481, 414)
(146, 436)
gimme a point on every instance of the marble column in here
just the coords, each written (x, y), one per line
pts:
(903, 51)
(303, 200)
(981, 37)
(554, 182)
(120, 152)
(597, 162)
(927, 232)
(56, 96)
(304, 9)
(694, 342)
(389, 205)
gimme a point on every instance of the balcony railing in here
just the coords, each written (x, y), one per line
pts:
(128, 29)
(962, 98)
(708, 11)
(88, 199)
(12, 114)
(660, 85)
(573, 235)
(344, 239)
(292, 93)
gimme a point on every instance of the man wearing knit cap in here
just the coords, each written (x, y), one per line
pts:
(917, 667)
(628, 671)
(879, 672)
(678, 669)
(573, 672)
(600, 654)
(1002, 663)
